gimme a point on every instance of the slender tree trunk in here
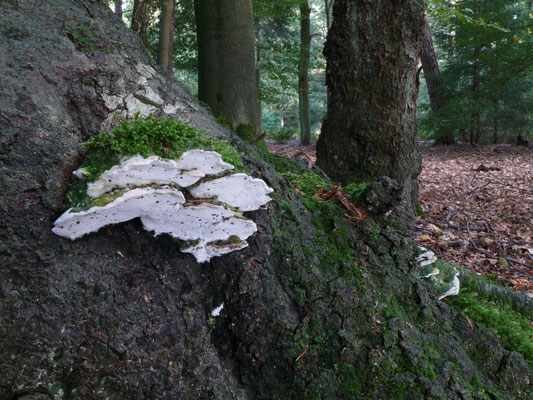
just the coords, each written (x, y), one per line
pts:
(327, 9)
(430, 67)
(166, 34)
(476, 125)
(303, 73)
(495, 127)
(226, 63)
(370, 127)
(140, 20)
(118, 8)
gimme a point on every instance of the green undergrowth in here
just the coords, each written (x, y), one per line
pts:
(496, 310)
(308, 181)
(164, 137)
(245, 131)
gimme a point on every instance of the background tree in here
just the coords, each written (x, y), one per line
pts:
(303, 73)
(166, 34)
(226, 62)
(430, 66)
(370, 127)
(141, 18)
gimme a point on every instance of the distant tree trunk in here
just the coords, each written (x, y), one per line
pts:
(430, 67)
(166, 34)
(140, 20)
(495, 127)
(327, 9)
(258, 39)
(476, 123)
(370, 127)
(118, 8)
(303, 73)
(226, 64)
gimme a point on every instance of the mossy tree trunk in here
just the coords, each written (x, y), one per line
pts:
(303, 73)
(370, 127)
(226, 64)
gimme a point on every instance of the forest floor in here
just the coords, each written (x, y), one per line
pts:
(478, 206)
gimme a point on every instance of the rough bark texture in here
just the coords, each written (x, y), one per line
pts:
(166, 34)
(430, 66)
(369, 131)
(314, 308)
(303, 73)
(118, 8)
(226, 63)
(140, 20)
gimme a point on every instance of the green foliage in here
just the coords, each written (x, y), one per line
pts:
(164, 137)
(486, 62)
(282, 134)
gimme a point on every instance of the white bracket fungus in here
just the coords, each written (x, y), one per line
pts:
(126, 206)
(238, 190)
(445, 280)
(208, 229)
(138, 171)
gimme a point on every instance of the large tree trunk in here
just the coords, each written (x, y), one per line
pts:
(166, 34)
(303, 73)
(226, 63)
(430, 66)
(316, 307)
(370, 127)
(140, 19)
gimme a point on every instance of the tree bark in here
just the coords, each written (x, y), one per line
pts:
(140, 20)
(303, 73)
(430, 67)
(166, 34)
(370, 126)
(118, 8)
(226, 63)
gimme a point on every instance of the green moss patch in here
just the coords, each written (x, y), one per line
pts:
(164, 137)
(497, 312)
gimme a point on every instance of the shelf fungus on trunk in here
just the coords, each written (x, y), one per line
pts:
(155, 190)
(444, 277)
(137, 171)
(228, 189)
